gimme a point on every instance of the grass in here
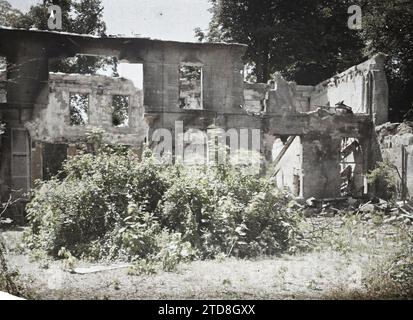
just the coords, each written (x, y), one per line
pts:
(346, 258)
(386, 249)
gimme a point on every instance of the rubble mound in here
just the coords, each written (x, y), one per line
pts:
(404, 129)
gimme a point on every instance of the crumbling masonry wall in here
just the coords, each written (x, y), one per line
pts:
(391, 138)
(362, 87)
(52, 124)
(37, 102)
(51, 132)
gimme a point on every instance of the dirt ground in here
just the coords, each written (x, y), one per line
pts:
(341, 261)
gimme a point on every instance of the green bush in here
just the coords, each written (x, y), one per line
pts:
(392, 277)
(112, 205)
(94, 200)
(223, 209)
(7, 278)
(385, 179)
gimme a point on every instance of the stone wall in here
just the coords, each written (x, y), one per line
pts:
(362, 87)
(288, 172)
(255, 95)
(392, 136)
(52, 124)
(320, 167)
(38, 102)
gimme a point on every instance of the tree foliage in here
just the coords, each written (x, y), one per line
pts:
(9, 16)
(309, 41)
(82, 17)
(110, 204)
(388, 28)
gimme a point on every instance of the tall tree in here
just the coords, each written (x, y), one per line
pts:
(307, 41)
(388, 28)
(8, 15)
(78, 16)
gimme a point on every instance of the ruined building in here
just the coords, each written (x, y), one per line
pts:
(312, 143)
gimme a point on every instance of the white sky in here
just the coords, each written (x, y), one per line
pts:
(158, 19)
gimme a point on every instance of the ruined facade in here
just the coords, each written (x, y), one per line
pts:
(306, 148)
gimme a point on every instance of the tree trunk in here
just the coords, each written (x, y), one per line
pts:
(262, 68)
(265, 63)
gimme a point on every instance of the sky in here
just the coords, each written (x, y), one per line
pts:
(157, 19)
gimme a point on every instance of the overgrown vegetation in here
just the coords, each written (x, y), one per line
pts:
(393, 277)
(7, 278)
(112, 205)
(309, 41)
(385, 248)
(385, 179)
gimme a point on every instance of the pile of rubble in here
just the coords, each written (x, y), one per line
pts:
(339, 109)
(404, 129)
(391, 211)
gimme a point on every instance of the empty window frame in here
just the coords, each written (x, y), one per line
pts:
(120, 111)
(20, 162)
(190, 87)
(85, 64)
(79, 109)
(351, 163)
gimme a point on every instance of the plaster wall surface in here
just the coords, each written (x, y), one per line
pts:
(52, 124)
(391, 149)
(39, 101)
(255, 95)
(320, 165)
(362, 87)
(289, 168)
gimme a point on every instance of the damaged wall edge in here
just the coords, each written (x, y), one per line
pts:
(37, 103)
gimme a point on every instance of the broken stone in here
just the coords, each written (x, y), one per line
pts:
(311, 202)
(351, 201)
(328, 212)
(368, 207)
(367, 216)
(310, 212)
(171, 85)
(390, 220)
(95, 269)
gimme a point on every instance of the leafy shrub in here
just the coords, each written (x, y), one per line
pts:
(93, 201)
(393, 277)
(224, 209)
(384, 178)
(7, 283)
(112, 205)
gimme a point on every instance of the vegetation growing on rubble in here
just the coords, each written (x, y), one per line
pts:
(112, 205)
(385, 179)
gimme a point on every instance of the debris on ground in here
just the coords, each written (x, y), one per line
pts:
(339, 109)
(368, 208)
(95, 269)
(404, 130)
